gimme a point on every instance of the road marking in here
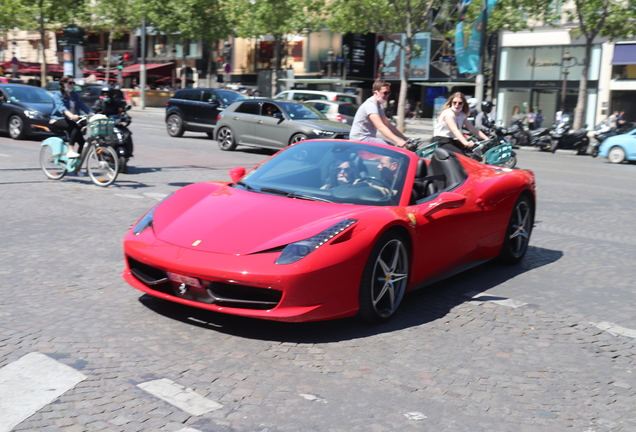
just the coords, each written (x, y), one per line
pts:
(156, 195)
(129, 196)
(312, 398)
(188, 429)
(29, 384)
(615, 330)
(4, 155)
(415, 415)
(179, 396)
(476, 295)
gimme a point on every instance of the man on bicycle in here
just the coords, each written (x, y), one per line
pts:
(371, 118)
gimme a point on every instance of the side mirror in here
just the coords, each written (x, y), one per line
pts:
(237, 173)
(446, 200)
(214, 102)
(278, 116)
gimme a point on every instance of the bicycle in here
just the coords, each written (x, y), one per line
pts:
(102, 162)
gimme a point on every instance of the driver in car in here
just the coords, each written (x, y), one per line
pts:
(342, 174)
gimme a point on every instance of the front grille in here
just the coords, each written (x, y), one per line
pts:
(342, 135)
(212, 292)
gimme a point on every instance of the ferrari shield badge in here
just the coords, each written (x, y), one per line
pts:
(196, 243)
(412, 218)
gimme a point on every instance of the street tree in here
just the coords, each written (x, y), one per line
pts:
(605, 18)
(276, 18)
(204, 20)
(386, 17)
(117, 17)
(49, 15)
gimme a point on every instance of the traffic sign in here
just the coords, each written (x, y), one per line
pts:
(227, 68)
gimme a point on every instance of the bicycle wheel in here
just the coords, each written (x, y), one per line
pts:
(50, 168)
(103, 165)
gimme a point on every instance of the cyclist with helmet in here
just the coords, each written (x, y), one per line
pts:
(483, 122)
(107, 104)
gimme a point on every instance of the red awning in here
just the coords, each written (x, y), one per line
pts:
(155, 70)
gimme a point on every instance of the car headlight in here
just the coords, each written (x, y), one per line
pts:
(323, 133)
(146, 221)
(35, 115)
(296, 251)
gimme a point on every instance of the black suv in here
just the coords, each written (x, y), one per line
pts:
(197, 109)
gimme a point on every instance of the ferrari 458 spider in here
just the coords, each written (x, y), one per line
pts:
(327, 229)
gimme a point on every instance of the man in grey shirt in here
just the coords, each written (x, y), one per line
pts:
(370, 118)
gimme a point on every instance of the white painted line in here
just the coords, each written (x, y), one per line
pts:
(494, 299)
(129, 196)
(188, 429)
(179, 396)
(615, 330)
(4, 155)
(31, 383)
(156, 195)
(415, 415)
(313, 398)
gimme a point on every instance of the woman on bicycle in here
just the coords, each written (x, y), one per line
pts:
(454, 115)
(66, 107)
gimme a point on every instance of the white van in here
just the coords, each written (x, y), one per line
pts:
(305, 95)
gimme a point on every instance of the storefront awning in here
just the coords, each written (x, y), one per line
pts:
(158, 70)
(624, 54)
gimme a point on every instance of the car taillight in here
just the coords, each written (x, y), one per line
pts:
(341, 118)
(218, 117)
(335, 98)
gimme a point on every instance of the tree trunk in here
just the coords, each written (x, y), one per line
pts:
(109, 53)
(277, 40)
(186, 45)
(41, 46)
(581, 101)
(209, 70)
(404, 81)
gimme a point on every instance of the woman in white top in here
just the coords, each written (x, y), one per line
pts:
(448, 132)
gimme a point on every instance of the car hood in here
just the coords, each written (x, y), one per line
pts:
(325, 125)
(217, 218)
(41, 107)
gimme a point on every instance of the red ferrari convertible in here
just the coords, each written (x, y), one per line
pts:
(328, 229)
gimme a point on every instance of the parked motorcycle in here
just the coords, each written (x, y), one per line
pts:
(541, 138)
(563, 139)
(121, 140)
(517, 133)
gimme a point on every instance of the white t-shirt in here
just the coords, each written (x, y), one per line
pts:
(442, 129)
(362, 126)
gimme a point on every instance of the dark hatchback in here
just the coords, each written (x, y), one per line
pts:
(24, 110)
(196, 110)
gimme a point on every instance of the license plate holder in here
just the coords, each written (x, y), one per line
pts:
(190, 281)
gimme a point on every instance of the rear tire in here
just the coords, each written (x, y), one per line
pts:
(512, 162)
(385, 278)
(518, 231)
(50, 168)
(225, 138)
(616, 155)
(174, 125)
(123, 165)
(103, 165)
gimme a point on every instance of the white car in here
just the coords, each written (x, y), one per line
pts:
(305, 95)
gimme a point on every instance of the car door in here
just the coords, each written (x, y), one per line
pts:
(630, 145)
(271, 127)
(448, 236)
(209, 108)
(190, 105)
(242, 121)
(5, 109)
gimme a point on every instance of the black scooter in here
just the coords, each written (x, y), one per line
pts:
(563, 139)
(121, 140)
(518, 135)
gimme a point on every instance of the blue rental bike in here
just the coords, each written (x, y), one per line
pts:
(102, 161)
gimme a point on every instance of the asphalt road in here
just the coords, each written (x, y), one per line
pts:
(547, 345)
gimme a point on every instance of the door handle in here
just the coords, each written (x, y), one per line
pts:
(236, 118)
(260, 122)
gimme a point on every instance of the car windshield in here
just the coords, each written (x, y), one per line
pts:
(298, 111)
(29, 94)
(332, 171)
(347, 109)
(229, 97)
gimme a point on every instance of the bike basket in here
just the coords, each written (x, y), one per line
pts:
(101, 127)
(498, 155)
(427, 151)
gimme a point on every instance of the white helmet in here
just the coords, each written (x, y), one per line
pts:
(472, 102)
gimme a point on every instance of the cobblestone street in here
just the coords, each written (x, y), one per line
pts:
(548, 345)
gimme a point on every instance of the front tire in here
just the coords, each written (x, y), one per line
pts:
(297, 138)
(511, 163)
(385, 279)
(174, 125)
(616, 155)
(16, 128)
(225, 138)
(50, 168)
(518, 231)
(103, 165)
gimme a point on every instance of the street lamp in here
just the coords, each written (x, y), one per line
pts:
(227, 46)
(329, 62)
(565, 64)
(174, 66)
